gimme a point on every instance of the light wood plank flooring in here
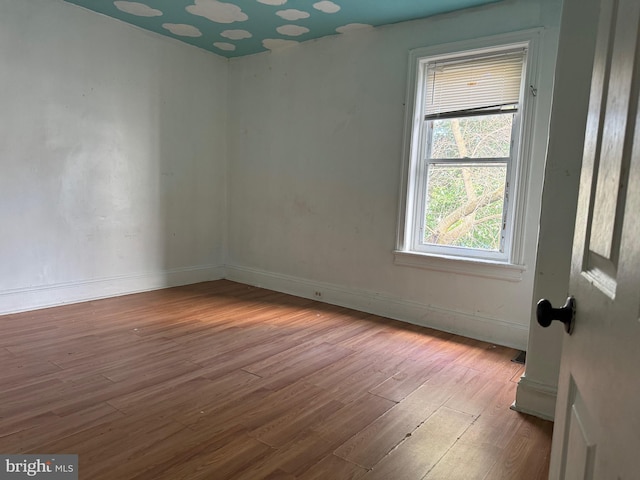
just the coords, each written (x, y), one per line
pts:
(224, 381)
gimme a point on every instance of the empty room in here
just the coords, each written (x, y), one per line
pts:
(312, 239)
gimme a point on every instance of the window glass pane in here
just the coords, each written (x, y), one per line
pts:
(464, 205)
(487, 136)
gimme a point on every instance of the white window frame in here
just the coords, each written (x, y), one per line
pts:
(508, 263)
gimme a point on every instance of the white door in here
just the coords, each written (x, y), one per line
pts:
(597, 424)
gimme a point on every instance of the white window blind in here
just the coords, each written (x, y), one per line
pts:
(474, 85)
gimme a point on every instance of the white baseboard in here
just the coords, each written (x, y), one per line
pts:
(535, 398)
(461, 323)
(24, 299)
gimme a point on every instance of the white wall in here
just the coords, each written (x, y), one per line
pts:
(315, 142)
(538, 387)
(112, 157)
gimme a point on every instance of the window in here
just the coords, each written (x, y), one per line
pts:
(465, 153)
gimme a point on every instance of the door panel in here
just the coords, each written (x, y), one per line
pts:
(580, 447)
(609, 200)
(603, 156)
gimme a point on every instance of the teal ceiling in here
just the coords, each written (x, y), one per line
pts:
(241, 27)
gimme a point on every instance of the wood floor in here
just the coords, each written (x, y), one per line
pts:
(223, 381)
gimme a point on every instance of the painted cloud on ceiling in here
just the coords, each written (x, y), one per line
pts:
(236, 34)
(218, 12)
(182, 29)
(291, 30)
(139, 9)
(352, 26)
(292, 14)
(326, 6)
(273, 2)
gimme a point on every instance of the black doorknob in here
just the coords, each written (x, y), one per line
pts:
(566, 314)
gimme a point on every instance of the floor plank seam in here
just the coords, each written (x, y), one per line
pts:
(383, 397)
(107, 402)
(406, 437)
(59, 367)
(435, 464)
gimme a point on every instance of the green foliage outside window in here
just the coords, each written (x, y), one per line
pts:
(464, 204)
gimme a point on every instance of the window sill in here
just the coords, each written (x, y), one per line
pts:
(464, 266)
